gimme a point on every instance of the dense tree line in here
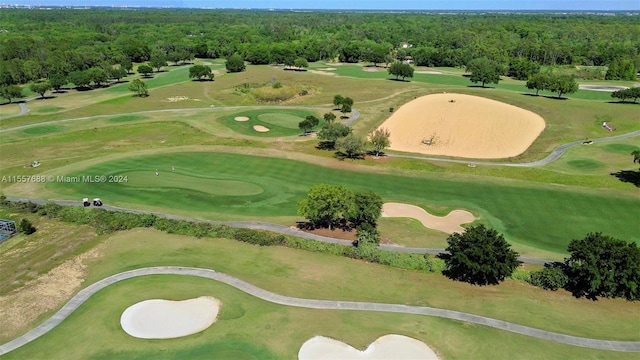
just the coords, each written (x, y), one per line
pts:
(38, 44)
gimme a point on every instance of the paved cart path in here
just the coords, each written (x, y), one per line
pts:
(86, 293)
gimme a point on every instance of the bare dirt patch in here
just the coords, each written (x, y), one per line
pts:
(241, 118)
(260, 128)
(462, 126)
(449, 223)
(21, 307)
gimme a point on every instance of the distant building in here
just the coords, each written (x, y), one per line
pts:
(7, 229)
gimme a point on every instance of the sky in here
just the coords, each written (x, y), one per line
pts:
(576, 5)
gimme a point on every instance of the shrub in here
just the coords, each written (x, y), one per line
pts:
(550, 278)
(276, 85)
(303, 93)
(25, 226)
(258, 237)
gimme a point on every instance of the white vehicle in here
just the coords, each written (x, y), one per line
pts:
(86, 202)
(97, 202)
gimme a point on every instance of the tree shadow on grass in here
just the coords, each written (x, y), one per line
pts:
(481, 87)
(399, 80)
(628, 176)
(326, 145)
(623, 102)
(342, 156)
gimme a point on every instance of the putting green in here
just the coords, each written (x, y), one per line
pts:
(281, 119)
(621, 148)
(585, 164)
(539, 216)
(142, 180)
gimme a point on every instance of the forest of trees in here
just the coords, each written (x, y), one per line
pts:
(37, 44)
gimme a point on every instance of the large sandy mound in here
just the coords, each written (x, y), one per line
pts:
(165, 319)
(396, 347)
(463, 126)
(260, 128)
(449, 224)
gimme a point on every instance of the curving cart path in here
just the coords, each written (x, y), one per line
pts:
(86, 293)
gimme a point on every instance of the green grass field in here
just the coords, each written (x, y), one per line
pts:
(224, 170)
(285, 182)
(249, 328)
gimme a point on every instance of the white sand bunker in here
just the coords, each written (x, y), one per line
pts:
(165, 319)
(449, 223)
(260, 128)
(241, 118)
(396, 347)
(322, 72)
(607, 88)
(463, 126)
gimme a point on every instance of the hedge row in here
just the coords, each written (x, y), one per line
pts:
(106, 222)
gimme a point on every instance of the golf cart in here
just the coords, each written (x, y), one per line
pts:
(86, 202)
(97, 202)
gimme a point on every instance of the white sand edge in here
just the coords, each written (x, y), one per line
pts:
(396, 347)
(449, 223)
(241, 118)
(166, 319)
(606, 88)
(260, 128)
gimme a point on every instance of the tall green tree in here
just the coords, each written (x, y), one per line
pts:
(351, 146)
(235, 63)
(127, 65)
(80, 79)
(601, 266)
(562, 84)
(401, 69)
(479, 256)
(330, 132)
(329, 117)
(538, 81)
(158, 61)
(326, 205)
(484, 71)
(522, 69)
(301, 63)
(41, 88)
(379, 138)
(337, 100)
(10, 92)
(145, 70)
(139, 87)
(368, 209)
(57, 81)
(200, 72)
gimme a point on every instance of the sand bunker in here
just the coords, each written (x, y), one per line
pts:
(607, 88)
(165, 319)
(241, 118)
(434, 72)
(321, 72)
(463, 126)
(449, 224)
(386, 347)
(260, 128)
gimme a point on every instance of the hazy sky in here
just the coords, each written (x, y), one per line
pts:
(359, 4)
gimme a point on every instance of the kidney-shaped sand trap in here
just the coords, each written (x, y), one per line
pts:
(396, 347)
(449, 223)
(165, 319)
(260, 128)
(241, 118)
(464, 126)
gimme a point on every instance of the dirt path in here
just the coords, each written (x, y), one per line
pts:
(86, 293)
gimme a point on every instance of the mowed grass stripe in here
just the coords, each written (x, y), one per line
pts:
(542, 217)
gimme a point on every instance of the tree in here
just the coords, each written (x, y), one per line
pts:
(157, 61)
(351, 146)
(200, 72)
(538, 82)
(479, 256)
(57, 81)
(139, 87)
(379, 138)
(145, 70)
(301, 63)
(484, 71)
(329, 117)
(117, 73)
(347, 101)
(326, 205)
(522, 69)
(97, 75)
(337, 100)
(127, 65)
(401, 69)
(235, 63)
(624, 94)
(636, 156)
(25, 226)
(41, 88)
(10, 92)
(562, 84)
(305, 125)
(368, 209)
(333, 131)
(346, 108)
(314, 121)
(79, 78)
(600, 265)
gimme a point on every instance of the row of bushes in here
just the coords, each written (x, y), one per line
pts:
(106, 222)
